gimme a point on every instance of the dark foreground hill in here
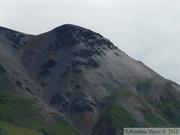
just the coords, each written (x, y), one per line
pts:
(72, 80)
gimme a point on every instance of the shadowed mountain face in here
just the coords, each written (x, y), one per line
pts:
(87, 80)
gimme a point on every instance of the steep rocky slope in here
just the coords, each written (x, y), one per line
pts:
(88, 81)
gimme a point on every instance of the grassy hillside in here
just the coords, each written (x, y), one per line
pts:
(116, 117)
(170, 109)
(113, 122)
(23, 116)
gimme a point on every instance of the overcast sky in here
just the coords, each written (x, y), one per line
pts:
(147, 30)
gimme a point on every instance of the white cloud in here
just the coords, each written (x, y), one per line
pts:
(166, 62)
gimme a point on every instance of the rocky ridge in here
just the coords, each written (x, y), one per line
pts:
(81, 75)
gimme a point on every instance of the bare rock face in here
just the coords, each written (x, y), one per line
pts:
(82, 76)
(78, 69)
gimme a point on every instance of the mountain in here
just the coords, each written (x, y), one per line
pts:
(74, 77)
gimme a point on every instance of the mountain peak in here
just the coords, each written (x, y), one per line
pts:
(71, 35)
(69, 26)
(86, 79)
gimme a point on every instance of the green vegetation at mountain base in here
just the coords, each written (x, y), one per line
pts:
(120, 118)
(170, 108)
(115, 119)
(170, 111)
(152, 119)
(20, 115)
